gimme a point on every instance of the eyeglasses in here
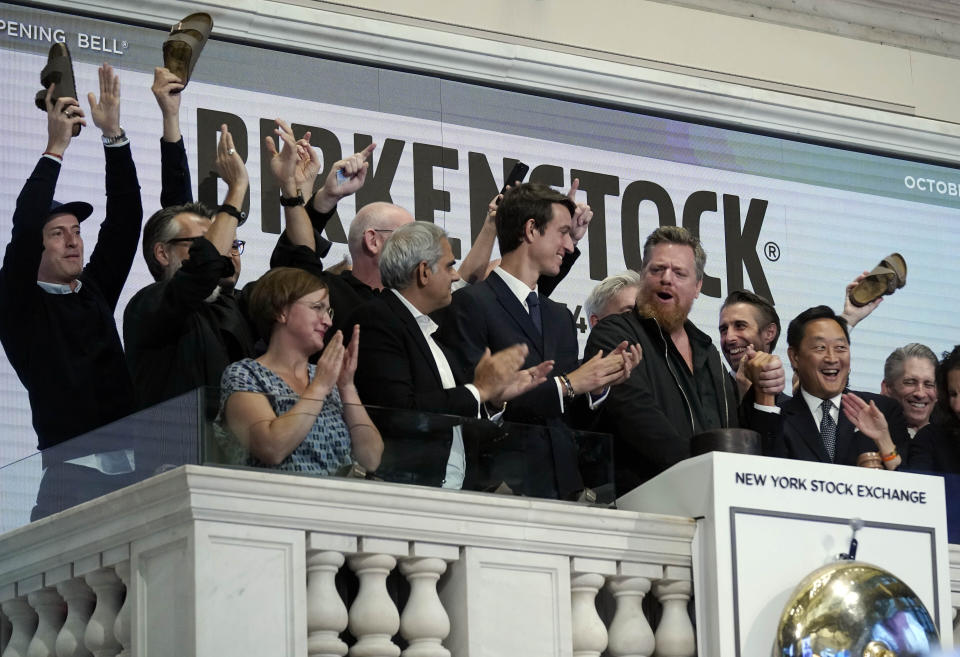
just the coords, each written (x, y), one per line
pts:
(184, 240)
(236, 246)
(319, 308)
(384, 230)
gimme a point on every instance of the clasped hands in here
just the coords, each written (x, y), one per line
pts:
(764, 372)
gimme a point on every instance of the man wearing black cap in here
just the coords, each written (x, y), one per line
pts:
(56, 316)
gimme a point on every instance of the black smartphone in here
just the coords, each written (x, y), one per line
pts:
(516, 175)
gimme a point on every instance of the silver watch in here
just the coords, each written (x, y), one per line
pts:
(110, 141)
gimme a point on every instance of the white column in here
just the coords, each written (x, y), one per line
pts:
(373, 616)
(674, 636)
(424, 622)
(99, 637)
(51, 612)
(630, 633)
(80, 601)
(326, 613)
(589, 633)
(121, 627)
(24, 621)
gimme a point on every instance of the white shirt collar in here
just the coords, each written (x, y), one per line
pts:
(518, 287)
(59, 288)
(813, 403)
(427, 325)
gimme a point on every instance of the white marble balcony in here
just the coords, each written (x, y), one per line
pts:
(210, 561)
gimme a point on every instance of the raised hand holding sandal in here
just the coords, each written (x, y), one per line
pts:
(182, 48)
(886, 278)
(59, 72)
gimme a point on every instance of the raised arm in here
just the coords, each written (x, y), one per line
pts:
(291, 165)
(119, 234)
(231, 168)
(22, 257)
(176, 188)
(475, 264)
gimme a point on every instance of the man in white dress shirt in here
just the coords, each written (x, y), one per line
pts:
(401, 366)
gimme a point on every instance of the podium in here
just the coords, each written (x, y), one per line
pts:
(763, 524)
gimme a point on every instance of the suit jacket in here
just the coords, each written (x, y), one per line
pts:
(795, 435)
(487, 314)
(396, 369)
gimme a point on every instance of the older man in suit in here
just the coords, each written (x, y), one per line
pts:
(534, 225)
(811, 426)
(402, 366)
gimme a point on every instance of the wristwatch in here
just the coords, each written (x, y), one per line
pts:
(240, 215)
(292, 201)
(111, 141)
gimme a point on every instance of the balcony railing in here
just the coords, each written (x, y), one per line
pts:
(200, 560)
(214, 561)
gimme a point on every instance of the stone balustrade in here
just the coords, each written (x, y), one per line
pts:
(209, 561)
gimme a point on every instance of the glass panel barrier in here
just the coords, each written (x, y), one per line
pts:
(121, 453)
(447, 451)
(418, 448)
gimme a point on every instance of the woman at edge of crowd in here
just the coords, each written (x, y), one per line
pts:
(291, 415)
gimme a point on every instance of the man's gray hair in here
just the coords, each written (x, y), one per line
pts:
(893, 367)
(411, 244)
(676, 235)
(608, 288)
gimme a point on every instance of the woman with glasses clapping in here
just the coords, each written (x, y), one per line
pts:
(284, 412)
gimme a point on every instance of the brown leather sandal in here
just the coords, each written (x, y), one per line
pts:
(59, 72)
(182, 48)
(886, 278)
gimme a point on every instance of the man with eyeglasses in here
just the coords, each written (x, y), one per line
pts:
(183, 330)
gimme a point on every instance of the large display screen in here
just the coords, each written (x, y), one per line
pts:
(790, 220)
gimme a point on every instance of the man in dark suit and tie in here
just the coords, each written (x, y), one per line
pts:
(534, 223)
(401, 366)
(811, 426)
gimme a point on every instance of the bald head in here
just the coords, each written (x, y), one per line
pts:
(370, 228)
(381, 219)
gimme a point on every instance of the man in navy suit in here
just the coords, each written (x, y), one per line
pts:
(810, 426)
(534, 225)
(401, 366)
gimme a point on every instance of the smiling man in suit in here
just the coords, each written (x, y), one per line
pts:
(810, 426)
(401, 366)
(534, 224)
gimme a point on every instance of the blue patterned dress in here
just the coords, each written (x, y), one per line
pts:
(326, 447)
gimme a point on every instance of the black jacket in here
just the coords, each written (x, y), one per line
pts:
(936, 448)
(794, 434)
(396, 370)
(65, 347)
(650, 416)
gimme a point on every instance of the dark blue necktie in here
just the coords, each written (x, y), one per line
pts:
(533, 302)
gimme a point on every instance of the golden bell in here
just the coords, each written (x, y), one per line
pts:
(854, 609)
